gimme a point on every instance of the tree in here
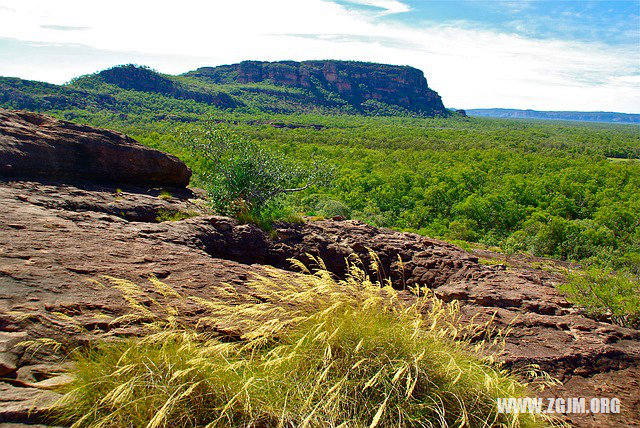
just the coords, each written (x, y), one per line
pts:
(244, 176)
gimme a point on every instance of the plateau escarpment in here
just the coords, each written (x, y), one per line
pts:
(62, 233)
(358, 83)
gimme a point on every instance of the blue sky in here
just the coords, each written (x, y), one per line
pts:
(546, 55)
(615, 22)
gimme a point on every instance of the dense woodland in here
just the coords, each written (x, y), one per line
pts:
(562, 189)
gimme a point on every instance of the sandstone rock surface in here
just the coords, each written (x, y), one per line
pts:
(32, 145)
(54, 251)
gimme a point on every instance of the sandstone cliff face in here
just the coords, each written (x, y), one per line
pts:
(60, 236)
(355, 82)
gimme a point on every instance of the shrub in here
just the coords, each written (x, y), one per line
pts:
(463, 230)
(631, 261)
(315, 351)
(244, 176)
(332, 208)
(606, 293)
(561, 238)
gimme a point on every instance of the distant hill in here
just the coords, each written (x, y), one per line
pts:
(362, 85)
(40, 96)
(324, 87)
(581, 116)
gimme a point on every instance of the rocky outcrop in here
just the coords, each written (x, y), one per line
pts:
(355, 82)
(35, 145)
(344, 87)
(61, 237)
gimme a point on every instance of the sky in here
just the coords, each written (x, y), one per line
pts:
(529, 54)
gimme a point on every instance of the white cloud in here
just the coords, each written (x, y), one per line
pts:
(389, 6)
(468, 67)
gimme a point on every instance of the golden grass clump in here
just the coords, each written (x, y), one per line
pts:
(315, 351)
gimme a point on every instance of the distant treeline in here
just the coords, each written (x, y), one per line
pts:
(580, 116)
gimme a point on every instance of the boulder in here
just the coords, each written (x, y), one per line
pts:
(36, 145)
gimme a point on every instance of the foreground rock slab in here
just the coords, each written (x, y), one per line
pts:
(60, 239)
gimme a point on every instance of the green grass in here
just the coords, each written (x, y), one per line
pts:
(174, 215)
(315, 352)
(266, 219)
(165, 195)
(462, 244)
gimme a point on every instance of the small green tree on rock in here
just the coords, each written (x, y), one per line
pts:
(245, 177)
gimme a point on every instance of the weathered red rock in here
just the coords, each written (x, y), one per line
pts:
(35, 145)
(58, 238)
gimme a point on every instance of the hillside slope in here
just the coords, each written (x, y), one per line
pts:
(281, 87)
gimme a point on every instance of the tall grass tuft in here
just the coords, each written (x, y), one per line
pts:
(315, 351)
